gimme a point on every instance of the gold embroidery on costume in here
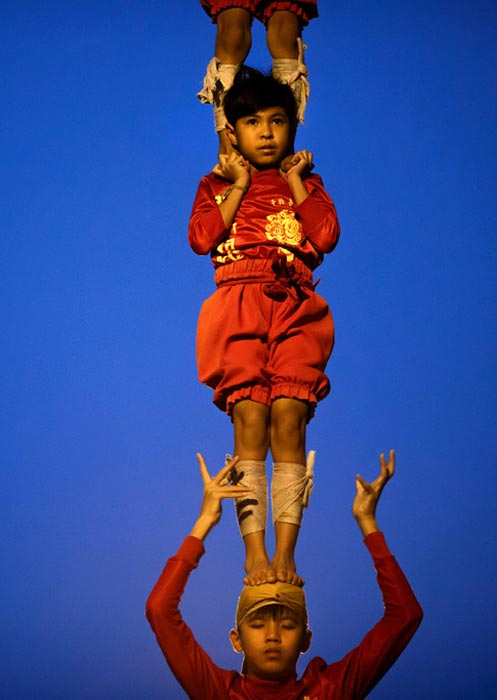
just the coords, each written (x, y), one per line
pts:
(281, 202)
(290, 257)
(284, 228)
(227, 252)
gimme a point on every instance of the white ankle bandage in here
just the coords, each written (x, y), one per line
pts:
(291, 489)
(218, 79)
(251, 510)
(293, 72)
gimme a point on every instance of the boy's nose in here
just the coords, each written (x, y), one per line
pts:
(273, 632)
(266, 131)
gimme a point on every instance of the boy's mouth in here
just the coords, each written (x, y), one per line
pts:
(272, 651)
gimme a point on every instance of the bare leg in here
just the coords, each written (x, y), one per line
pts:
(288, 426)
(234, 36)
(233, 42)
(284, 40)
(283, 30)
(288, 429)
(283, 561)
(250, 420)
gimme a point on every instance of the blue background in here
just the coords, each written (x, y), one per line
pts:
(102, 145)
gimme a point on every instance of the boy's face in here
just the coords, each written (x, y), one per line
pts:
(272, 640)
(262, 138)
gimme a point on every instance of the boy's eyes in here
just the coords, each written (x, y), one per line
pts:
(286, 624)
(253, 121)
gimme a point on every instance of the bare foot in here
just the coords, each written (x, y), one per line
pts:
(286, 571)
(259, 570)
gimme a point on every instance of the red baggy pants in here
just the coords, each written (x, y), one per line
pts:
(253, 343)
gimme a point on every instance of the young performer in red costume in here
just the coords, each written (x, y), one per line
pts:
(271, 620)
(284, 20)
(265, 336)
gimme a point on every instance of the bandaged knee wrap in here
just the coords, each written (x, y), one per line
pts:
(293, 72)
(251, 510)
(291, 489)
(218, 79)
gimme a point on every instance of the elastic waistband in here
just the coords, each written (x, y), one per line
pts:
(264, 270)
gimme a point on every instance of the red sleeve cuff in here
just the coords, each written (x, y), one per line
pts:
(377, 546)
(191, 550)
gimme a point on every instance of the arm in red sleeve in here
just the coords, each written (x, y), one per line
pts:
(359, 671)
(318, 216)
(193, 668)
(206, 228)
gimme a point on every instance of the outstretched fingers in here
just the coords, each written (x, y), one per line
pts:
(206, 477)
(388, 469)
(366, 487)
(220, 485)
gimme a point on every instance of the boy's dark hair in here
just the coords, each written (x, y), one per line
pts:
(253, 91)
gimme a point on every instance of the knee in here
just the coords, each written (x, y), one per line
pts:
(283, 30)
(251, 422)
(288, 423)
(234, 36)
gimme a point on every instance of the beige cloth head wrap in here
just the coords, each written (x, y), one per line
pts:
(253, 598)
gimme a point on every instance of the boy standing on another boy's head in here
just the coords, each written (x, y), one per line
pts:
(283, 20)
(264, 337)
(271, 619)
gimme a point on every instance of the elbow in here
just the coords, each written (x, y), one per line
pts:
(327, 243)
(413, 618)
(154, 609)
(198, 244)
(333, 235)
(150, 610)
(418, 616)
(198, 248)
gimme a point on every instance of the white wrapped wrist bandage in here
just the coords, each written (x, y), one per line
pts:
(291, 489)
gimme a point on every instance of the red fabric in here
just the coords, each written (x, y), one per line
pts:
(264, 348)
(263, 9)
(267, 220)
(264, 333)
(352, 678)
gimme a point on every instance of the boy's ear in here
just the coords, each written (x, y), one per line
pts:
(235, 640)
(306, 642)
(230, 130)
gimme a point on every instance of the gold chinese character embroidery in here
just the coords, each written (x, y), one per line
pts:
(226, 251)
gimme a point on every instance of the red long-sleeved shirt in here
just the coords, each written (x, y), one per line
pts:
(349, 679)
(267, 219)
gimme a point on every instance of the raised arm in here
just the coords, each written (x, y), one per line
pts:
(216, 489)
(192, 666)
(362, 668)
(368, 495)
